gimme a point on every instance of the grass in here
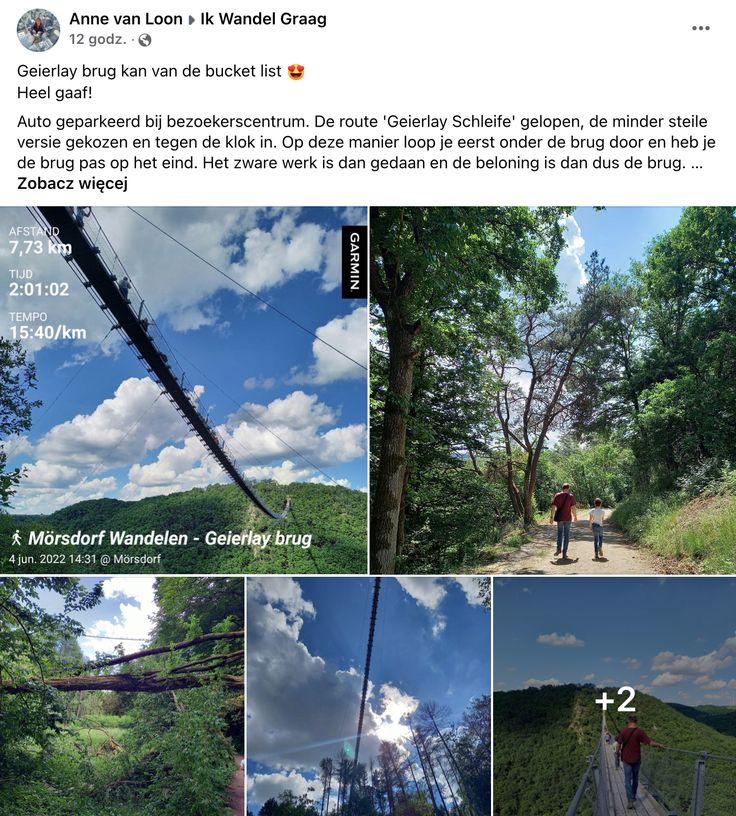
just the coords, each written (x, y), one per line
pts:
(511, 538)
(689, 535)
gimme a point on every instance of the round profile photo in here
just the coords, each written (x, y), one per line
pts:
(38, 30)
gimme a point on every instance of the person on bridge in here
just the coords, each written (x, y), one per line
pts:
(124, 287)
(563, 512)
(628, 745)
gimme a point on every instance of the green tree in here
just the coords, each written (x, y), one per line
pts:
(688, 399)
(438, 271)
(29, 645)
(17, 378)
(543, 390)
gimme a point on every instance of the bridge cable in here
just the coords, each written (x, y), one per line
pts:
(249, 291)
(122, 439)
(364, 693)
(255, 419)
(75, 375)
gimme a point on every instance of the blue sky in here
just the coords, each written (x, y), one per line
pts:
(619, 234)
(125, 611)
(255, 361)
(306, 648)
(674, 638)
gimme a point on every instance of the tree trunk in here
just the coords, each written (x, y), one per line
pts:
(427, 781)
(185, 644)
(392, 462)
(401, 530)
(530, 483)
(150, 682)
(430, 765)
(449, 785)
(329, 793)
(450, 755)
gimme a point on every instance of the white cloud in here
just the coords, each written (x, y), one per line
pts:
(118, 432)
(262, 787)
(297, 420)
(47, 499)
(266, 383)
(350, 335)
(554, 639)
(353, 216)
(589, 677)
(133, 619)
(632, 662)
(570, 269)
(428, 592)
(710, 684)
(550, 681)
(668, 679)
(700, 665)
(16, 446)
(471, 587)
(122, 430)
(293, 695)
(396, 707)
(175, 469)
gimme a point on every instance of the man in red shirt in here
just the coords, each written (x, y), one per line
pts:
(628, 744)
(563, 512)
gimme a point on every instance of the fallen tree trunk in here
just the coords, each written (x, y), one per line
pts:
(125, 682)
(116, 661)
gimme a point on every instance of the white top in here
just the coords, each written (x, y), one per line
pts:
(597, 514)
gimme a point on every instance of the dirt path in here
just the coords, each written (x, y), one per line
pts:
(236, 794)
(621, 556)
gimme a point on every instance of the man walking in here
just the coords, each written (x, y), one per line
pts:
(628, 745)
(563, 512)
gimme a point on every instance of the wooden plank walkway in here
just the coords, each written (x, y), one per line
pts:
(646, 805)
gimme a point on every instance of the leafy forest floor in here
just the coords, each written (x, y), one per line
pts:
(621, 556)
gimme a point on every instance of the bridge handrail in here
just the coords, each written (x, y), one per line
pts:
(587, 776)
(705, 754)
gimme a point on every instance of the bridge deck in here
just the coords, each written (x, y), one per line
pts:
(646, 805)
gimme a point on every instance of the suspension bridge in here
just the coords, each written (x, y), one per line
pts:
(602, 790)
(94, 261)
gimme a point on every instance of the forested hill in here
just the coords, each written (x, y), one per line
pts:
(334, 516)
(722, 718)
(543, 737)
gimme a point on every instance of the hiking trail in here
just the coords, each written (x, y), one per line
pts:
(236, 791)
(621, 556)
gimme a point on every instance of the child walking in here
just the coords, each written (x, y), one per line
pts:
(596, 525)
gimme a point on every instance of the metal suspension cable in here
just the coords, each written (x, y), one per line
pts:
(100, 465)
(75, 375)
(249, 291)
(366, 674)
(253, 417)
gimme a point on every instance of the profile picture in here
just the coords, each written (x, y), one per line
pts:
(38, 30)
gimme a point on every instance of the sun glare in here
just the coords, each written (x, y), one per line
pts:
(391, 731)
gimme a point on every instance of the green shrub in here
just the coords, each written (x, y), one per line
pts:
(693, 535)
